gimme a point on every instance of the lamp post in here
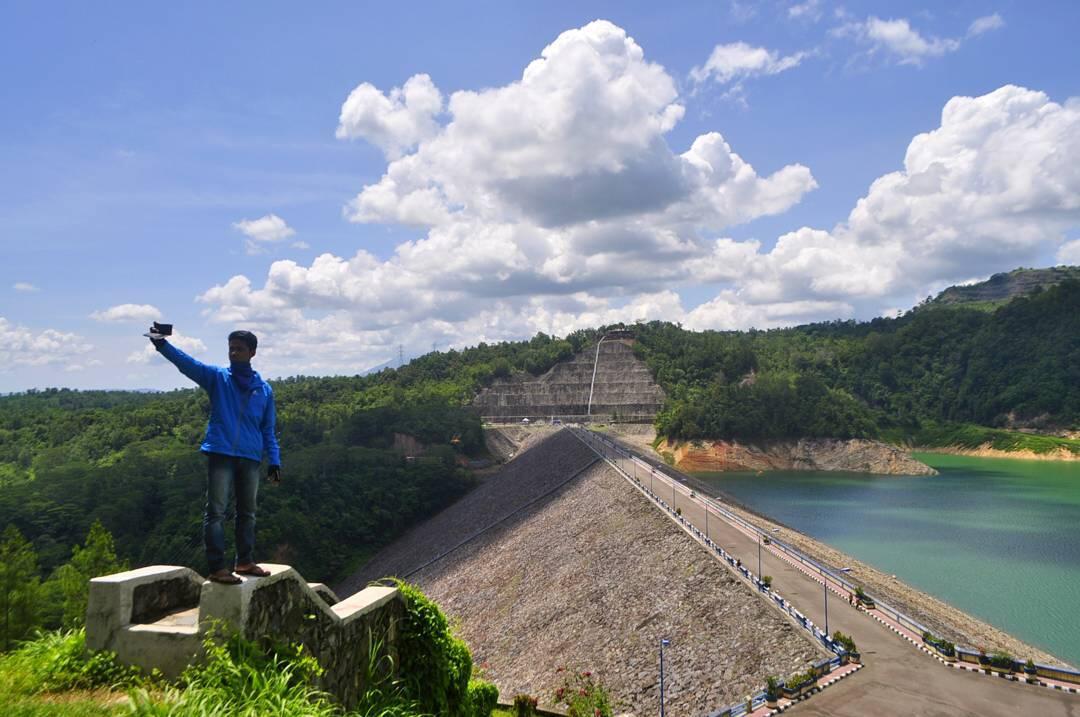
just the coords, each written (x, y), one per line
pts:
(826, 586)
(663, 643)
(775, 530)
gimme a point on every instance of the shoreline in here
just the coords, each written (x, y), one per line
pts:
(942, 618)
(986, 451)
(939, 616)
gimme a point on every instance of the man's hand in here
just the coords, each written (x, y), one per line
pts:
(274, 475)
(155, 342)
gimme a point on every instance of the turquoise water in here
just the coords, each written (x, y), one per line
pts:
(999, 539)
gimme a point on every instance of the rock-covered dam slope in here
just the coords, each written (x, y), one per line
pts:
(590, 577)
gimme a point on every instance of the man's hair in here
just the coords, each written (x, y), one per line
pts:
(247, 337)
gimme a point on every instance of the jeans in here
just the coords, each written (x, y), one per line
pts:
(225, 475)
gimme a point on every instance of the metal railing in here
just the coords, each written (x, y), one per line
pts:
(628, 467)
(827, 573)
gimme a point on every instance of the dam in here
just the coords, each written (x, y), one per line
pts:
(604, 382)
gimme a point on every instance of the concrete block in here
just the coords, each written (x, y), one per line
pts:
(111, 599)
(370, 598)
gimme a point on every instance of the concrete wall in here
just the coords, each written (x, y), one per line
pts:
(624, 388)
(159, 616)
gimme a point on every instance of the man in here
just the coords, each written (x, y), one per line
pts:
(240, 431)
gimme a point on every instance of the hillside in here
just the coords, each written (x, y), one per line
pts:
(1001, 288)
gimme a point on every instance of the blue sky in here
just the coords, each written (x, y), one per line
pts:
(721, 164)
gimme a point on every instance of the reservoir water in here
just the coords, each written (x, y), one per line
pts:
(996, 538)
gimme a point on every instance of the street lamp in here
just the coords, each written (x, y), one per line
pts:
(663, 643)
(775, 530)
(826, 584)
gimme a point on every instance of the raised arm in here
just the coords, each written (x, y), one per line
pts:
(196, 370)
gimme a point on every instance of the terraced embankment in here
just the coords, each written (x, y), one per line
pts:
(591, 576)
(623, 389)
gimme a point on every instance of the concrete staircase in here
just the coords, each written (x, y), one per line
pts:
(623, 389)
(158, 618)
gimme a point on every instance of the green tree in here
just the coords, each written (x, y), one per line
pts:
(19, 586)
(97, 557)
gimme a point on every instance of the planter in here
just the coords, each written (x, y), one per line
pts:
(867, 603)
(854, 657)
(793, 692)
(1030, 674)
(771, 702)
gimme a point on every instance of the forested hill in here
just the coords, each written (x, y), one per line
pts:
(130, 459)
(1002, 288)
(1016, 366)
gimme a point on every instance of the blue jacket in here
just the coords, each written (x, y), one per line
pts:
(240, 425)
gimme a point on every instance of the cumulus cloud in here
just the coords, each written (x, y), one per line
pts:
(809, 10)
(896, 39)
(23, 346)
(394, 122)
(558, 183)
(1069, 253)
(25, 286)
(262, 231)
(188, 344)
(556, 201)
(738, 61)
(995, 186)
(135, 313)
(985, 24)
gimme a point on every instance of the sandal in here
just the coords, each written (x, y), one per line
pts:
(224, 577)
(253, 570)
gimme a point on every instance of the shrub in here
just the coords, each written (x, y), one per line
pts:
(1002, 660)
(799, 678)
(59, 661)
(435, 665)
(766, 580)
(772, 688)
(582, 695)
(483, 696)
(524, 706)
(845, 641)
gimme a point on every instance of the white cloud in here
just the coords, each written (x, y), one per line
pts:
(559, 183)
(395, 122)
(738, 61)
(141, 313)
(300, 245)
(188, 344)
(264, 230)
(809, 10)
(23, 346)
(985, 24)
(556, 202)
(25, 286)
(994, 187)
(896, 38)
(1069, 253)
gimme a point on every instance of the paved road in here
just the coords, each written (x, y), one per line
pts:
(897, 679)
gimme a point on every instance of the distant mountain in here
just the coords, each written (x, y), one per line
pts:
(1001, 288)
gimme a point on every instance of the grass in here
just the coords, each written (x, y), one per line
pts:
(966, 435)
(55, 675)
